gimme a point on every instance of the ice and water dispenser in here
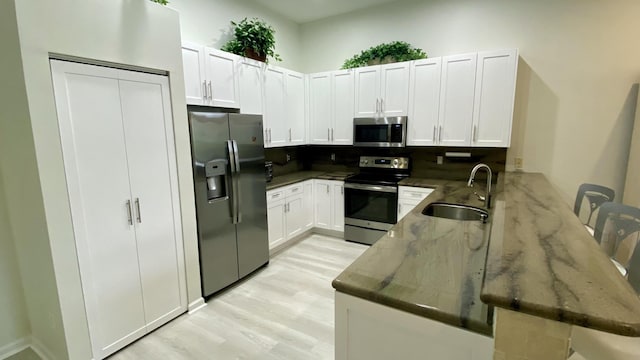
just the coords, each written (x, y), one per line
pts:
(216, 174)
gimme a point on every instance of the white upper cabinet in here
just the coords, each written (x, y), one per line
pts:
(342, 89)
(251, 86)
(382, 90)
(295, 107)
(276, 130)
(394, 89)
(210, 77)
(222, 79)
(367, 92)
(331, 107)
(424, 102)
(194, 73)
(493, 105)
(320, 108)
(456, 99)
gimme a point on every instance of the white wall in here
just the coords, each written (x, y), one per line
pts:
(131, 32)
(575, 99)
(207, 22)
(13, 316)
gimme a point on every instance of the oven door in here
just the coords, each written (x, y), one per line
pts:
(370, 206)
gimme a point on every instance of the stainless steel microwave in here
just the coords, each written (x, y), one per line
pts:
(380, 132)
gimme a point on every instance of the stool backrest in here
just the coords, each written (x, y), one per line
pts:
(633, 271)
(596, 195)
(615, 223)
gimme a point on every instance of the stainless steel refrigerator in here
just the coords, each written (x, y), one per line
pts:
(230, 186)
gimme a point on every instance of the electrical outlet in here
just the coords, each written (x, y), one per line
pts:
(518, 163)
(440, 160)
(333, 157)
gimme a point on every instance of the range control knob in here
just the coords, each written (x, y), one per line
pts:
(365, 161)
(395, 162)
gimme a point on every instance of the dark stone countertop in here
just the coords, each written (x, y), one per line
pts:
(428, 266)
(298, 176)
(541, 261)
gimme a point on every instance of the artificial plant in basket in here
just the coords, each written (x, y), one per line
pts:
(254, 39)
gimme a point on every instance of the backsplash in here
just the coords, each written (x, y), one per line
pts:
(423, 159)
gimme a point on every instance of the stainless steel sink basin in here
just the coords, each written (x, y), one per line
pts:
(456, 212)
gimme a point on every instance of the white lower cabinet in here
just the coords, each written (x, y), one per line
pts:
(288, 212)
(119, 159)
(329, 202)
(409, 197)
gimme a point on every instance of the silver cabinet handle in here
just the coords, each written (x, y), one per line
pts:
(290, 138)
(270, 137)
(236, 183)
(440, 134)
(342, 190)
(210, 92)
(129, 211)
(328, 134)
(434, 134)
(474, 136)
(381, 106)
(332, 138)
(204, 88)
(266, 136)
(377, 106)
(327, 189)
(138, 215)
(399, 209)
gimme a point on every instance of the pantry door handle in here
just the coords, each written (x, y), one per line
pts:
(138, 216)
(210, 92)
(129, 211)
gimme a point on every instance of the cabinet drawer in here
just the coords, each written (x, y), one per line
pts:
(295, 189)
(274, 195)
(413, 193)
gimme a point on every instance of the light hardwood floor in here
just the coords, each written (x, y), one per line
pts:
(284, 311)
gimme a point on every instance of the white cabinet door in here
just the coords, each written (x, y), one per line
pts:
(295, 218)
(343, 96)
(320, 116)
(337, 222)
(456, 99)
(494, 97)
(323, 199)
(405, 207)
(251, 79)
(424, 102)
(150, 150)
(394, 89)
(222, 81)
(367, 89)
(275, 114)
(276, 222)
(295, 107)
(308, 210)
(194, 73)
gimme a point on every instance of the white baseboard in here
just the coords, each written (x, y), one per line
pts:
(14, 347)
(39, 348)
(196, 305)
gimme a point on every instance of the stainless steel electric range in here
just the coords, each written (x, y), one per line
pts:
(371, 198)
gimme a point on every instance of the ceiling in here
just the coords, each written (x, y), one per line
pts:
(302, 11)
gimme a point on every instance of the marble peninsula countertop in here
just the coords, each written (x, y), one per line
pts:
(542, 261)
(428, 266)
(534, 256)
(298, 176)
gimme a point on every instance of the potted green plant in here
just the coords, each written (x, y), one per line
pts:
(163, 2)
(254, 39)
(395, 51)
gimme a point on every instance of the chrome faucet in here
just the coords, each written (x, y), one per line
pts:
(487, 197)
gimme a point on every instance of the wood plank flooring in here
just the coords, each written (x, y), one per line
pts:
(284, 311)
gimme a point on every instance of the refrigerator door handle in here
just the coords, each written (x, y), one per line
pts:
(232, 175)
(236, 184)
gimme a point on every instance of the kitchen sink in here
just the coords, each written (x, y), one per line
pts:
(456, 212)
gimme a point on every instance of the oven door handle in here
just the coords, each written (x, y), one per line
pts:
(378, 188)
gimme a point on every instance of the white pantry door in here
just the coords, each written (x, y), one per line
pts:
(95, 160)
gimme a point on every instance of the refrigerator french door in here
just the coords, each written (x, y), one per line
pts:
(230, 187)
